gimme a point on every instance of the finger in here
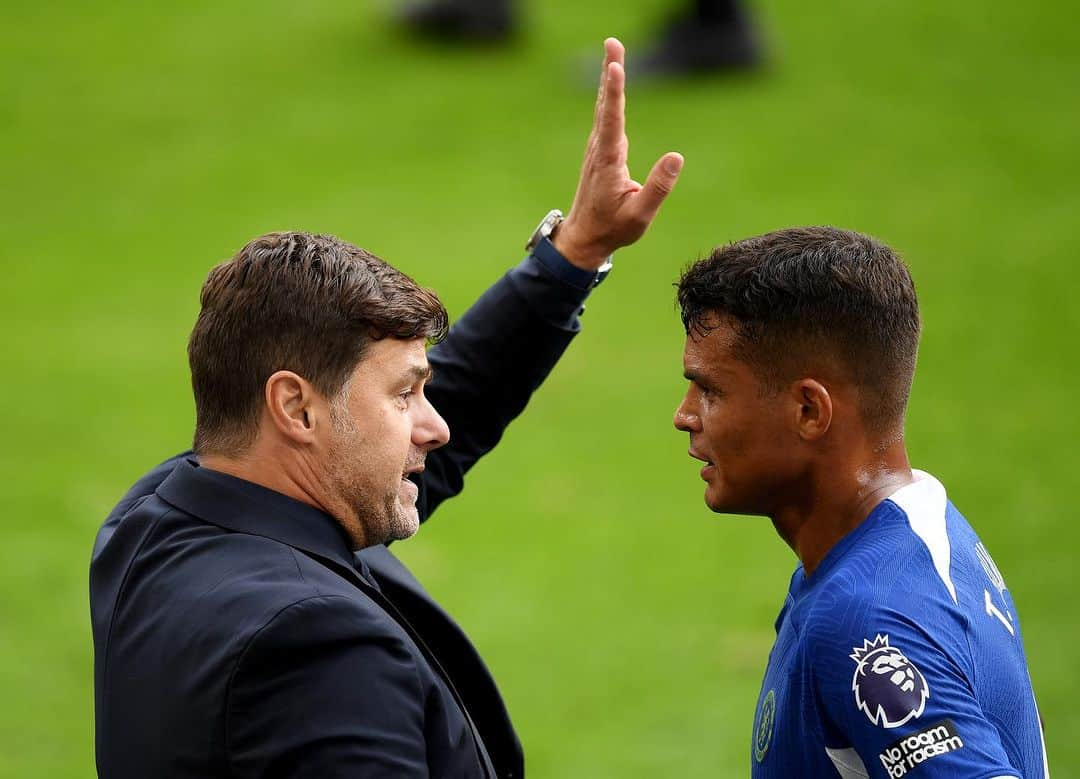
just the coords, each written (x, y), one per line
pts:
(614, 51)
(611, 122)
(611, 53)
(657, 186)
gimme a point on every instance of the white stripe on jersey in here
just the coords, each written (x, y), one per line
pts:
(848, 763)
(1042, 737)
(924, 503)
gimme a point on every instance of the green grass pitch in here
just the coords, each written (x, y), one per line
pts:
(628, 627)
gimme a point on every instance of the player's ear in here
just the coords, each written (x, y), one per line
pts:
(294, 407)
(814, 408)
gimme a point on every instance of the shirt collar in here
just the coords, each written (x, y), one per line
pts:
(923, 483)
(246, 507)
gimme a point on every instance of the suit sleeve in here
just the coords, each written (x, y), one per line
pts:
(900, 697)
(494, 357)
(322, 692)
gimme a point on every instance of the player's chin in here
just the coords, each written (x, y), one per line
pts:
(709, 476)
(714, 497)
(722, 500)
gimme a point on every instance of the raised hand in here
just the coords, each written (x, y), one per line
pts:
(610, 209)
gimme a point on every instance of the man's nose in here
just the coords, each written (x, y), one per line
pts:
(431, 430)
(685, 420)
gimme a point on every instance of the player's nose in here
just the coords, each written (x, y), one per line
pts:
(686, 419)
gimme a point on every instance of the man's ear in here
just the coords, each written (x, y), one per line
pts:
(814, 412)
(295, 408)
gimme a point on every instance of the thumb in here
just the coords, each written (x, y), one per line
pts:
(658, 186)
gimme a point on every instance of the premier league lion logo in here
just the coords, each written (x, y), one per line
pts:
(888, 688)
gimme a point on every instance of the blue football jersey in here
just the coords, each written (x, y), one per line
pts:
(901, 655)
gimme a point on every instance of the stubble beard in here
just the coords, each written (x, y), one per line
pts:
(375, 519)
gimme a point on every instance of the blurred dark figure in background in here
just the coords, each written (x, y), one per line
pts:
(708, 36)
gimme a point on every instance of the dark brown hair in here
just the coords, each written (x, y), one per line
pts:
(293, 301)
(797, 296)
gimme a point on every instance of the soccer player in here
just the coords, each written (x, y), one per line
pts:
(898, 648)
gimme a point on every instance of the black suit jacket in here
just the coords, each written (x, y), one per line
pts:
(236, 634)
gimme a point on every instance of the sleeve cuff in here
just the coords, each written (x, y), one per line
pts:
(552, 287)
(561, 268)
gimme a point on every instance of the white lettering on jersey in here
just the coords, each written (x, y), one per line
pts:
(993, 611)
(989, 568)
(913, 750)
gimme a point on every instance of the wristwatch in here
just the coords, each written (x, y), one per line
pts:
(544, 230)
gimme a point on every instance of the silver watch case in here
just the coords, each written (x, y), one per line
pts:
(544, 230)
(546, 227)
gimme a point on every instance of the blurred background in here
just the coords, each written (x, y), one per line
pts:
(140, 143)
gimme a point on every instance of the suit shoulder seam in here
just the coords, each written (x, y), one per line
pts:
(123, 585)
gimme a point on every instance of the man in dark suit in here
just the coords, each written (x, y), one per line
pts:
(248, 618)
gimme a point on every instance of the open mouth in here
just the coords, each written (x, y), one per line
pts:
(410, 487)
(701, 457)
(411, 470)
(708, 471)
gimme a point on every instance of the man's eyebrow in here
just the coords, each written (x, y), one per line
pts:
(419, 373)
(707, 376)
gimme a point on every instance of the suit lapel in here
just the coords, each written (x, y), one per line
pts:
(245, 507)
(459, 658)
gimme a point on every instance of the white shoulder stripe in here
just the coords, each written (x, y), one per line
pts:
(924, 503)
(848, 763)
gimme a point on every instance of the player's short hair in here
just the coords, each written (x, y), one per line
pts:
(795, 297)
(293, 301)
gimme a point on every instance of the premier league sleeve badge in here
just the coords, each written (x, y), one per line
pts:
(888, 687)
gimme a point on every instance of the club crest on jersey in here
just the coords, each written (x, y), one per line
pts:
(763, 728)
(888, 687)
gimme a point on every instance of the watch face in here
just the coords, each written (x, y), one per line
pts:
(545, 228)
